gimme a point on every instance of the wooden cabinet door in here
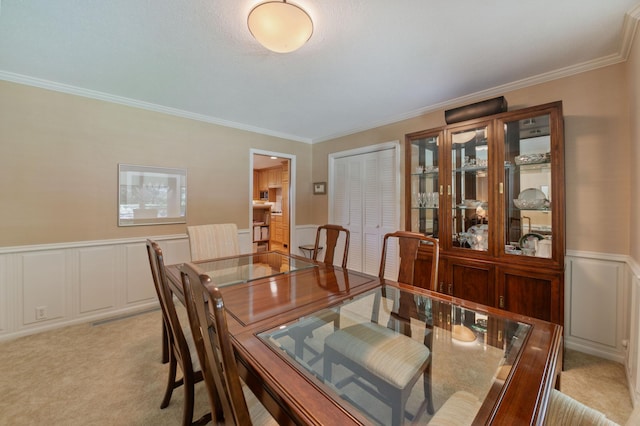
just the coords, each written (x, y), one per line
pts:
(470, 280)
(263, 180)
(532, 293)
(276, 229)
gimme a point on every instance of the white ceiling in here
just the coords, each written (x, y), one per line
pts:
(368, 62)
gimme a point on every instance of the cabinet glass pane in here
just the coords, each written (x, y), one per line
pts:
(470, 189)
(528, 197)
(424, 185)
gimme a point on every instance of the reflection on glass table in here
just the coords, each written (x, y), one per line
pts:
(239, 269)
(397, 357)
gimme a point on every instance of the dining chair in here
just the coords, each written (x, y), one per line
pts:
(566, 411)
(208, 322)
(179, 341)
(387, 356)
(213, 241)
(332, 234)
(410, 244)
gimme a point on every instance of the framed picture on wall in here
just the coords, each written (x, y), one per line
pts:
(320, 188)
(151, 195)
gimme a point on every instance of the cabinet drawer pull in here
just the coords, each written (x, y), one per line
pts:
(441, 190)
(450, 289)
(448, 189)
(501, 188)
(501, 303)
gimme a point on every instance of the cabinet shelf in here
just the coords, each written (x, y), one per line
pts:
(471, 169)
(534, 210)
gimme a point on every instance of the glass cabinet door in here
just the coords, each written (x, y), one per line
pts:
(469, 188)
(423, 162)
(528, 197)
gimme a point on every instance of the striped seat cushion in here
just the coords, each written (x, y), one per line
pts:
(391, 356)
(459, 410)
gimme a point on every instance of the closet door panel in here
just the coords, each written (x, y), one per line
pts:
(366, 201)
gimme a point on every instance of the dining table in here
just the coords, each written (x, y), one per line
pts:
(283, 311)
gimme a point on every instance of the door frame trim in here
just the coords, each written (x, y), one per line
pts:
(292, 189)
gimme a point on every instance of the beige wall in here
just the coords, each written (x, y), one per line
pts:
(633, 76)
(597, 146)
(59, 155)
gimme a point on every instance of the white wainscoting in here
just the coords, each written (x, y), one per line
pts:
(88, 281)
(633, 358)
(595, 321)
(54, 285)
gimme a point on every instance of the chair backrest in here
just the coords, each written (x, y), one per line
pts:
(213, 241)
(409, 243)
(332, 233)
(177, 341)
(208, 321)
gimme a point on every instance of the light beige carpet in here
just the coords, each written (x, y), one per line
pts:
(598, 383)
(111, 374)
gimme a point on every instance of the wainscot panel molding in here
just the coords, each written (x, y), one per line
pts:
(55, 285)
(633, 356)
(602, 310)
(596, 318)
(43, 287)
(4, 308)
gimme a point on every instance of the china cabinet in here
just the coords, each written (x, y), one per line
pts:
(491, 190)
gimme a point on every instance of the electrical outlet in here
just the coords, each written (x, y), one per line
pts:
(41, 312)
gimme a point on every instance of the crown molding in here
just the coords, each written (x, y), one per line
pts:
(94, 94)
(629, 28)
(488, 93)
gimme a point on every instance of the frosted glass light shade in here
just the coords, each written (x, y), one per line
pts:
(280, 26)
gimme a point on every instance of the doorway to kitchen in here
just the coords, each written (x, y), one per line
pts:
(272, 189)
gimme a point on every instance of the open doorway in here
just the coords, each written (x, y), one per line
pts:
(271, 213)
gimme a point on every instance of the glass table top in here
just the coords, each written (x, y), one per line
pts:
(363, 350)
(251, 267)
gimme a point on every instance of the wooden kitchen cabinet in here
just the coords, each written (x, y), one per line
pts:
(274, 177)
(261, 181)
(276, 228)
(492, 191)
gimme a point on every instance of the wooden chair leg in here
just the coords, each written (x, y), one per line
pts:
(428, 394)
(165, 344)
(171, 381)
(187, 414)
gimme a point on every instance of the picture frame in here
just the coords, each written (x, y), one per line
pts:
(151, 195)
(319, 188)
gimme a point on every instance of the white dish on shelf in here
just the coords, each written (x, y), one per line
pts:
(535, 158)
(531, 198)
(531, 194)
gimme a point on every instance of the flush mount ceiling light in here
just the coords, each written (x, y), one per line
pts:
(280, 26)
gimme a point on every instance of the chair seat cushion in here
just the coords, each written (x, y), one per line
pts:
(564, 410)
(389, 355)
(460, 409)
